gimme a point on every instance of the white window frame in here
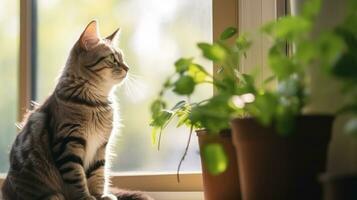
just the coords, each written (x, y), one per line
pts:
(242, 14)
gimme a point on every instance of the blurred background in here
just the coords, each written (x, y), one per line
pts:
(154, 34)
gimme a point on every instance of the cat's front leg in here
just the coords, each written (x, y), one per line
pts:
(68, 154)
(96, 176)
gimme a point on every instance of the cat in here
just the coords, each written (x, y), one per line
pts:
(62, 149)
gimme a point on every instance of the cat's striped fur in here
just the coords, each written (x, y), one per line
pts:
(60, 152)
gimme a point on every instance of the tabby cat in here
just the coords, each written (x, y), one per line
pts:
(62, 149)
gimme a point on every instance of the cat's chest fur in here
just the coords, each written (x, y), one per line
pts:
(94, 142)
(98, 133)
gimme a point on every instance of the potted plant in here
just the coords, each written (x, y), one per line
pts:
(210, 117)
(281, 150)
(344, 69)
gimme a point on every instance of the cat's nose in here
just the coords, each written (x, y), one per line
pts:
(125, 67)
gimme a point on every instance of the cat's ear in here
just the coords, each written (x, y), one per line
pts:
(90, 36)
(114, 37)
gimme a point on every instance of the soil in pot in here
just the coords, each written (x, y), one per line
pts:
(224, 186)
(273, 167)
(340, 187)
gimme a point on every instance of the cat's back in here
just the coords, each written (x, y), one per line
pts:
(31, 166)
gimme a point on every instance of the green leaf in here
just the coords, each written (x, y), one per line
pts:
(157, 106)
(288, 28)
(213, 52)
(197, 72)
(167, 83)
(281, 65)
(243, 43)
(311, 8)
(183, 118)
(154, 132)
(215, 158)
(346, 66)
(306, 51)
(182, 64)
(185, 85)
(285, 120)
(331, 47)
(214, 114)
(228, 33)
(161, 119)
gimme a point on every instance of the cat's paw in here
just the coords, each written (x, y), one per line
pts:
(129, 195)
(134, 196)
(108, 197)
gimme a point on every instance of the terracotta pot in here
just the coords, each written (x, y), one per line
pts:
(226, 185)
(340, 187)
(273, 167)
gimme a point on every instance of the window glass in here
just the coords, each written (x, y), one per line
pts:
(154, 33)
(9, 38)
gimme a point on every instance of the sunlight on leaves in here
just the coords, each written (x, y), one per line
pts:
(213, 52)
(197, 73)
(183, 64)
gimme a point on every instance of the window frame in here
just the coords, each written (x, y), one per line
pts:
(224, 12)
(27, 56)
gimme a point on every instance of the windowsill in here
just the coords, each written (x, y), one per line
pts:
(159, 181)
(176, 195)
(159, 185)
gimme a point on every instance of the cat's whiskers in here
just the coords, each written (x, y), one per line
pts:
(134, 87)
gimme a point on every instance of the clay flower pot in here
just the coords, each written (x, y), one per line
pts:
(273, 167)
(226, 185)
(339, 187)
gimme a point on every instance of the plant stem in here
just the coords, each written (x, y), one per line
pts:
(184, 154)
(159, 142)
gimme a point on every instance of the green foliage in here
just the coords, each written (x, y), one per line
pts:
(339, 47)
(239, 95)
(215, 158)
(288, 28)
(214, 115)
(311, 9)
(281, 65)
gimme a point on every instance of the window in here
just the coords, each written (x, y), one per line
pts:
(9, 40)
(154, 34)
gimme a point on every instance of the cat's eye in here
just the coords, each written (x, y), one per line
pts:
(116, 62)
(112, 58)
